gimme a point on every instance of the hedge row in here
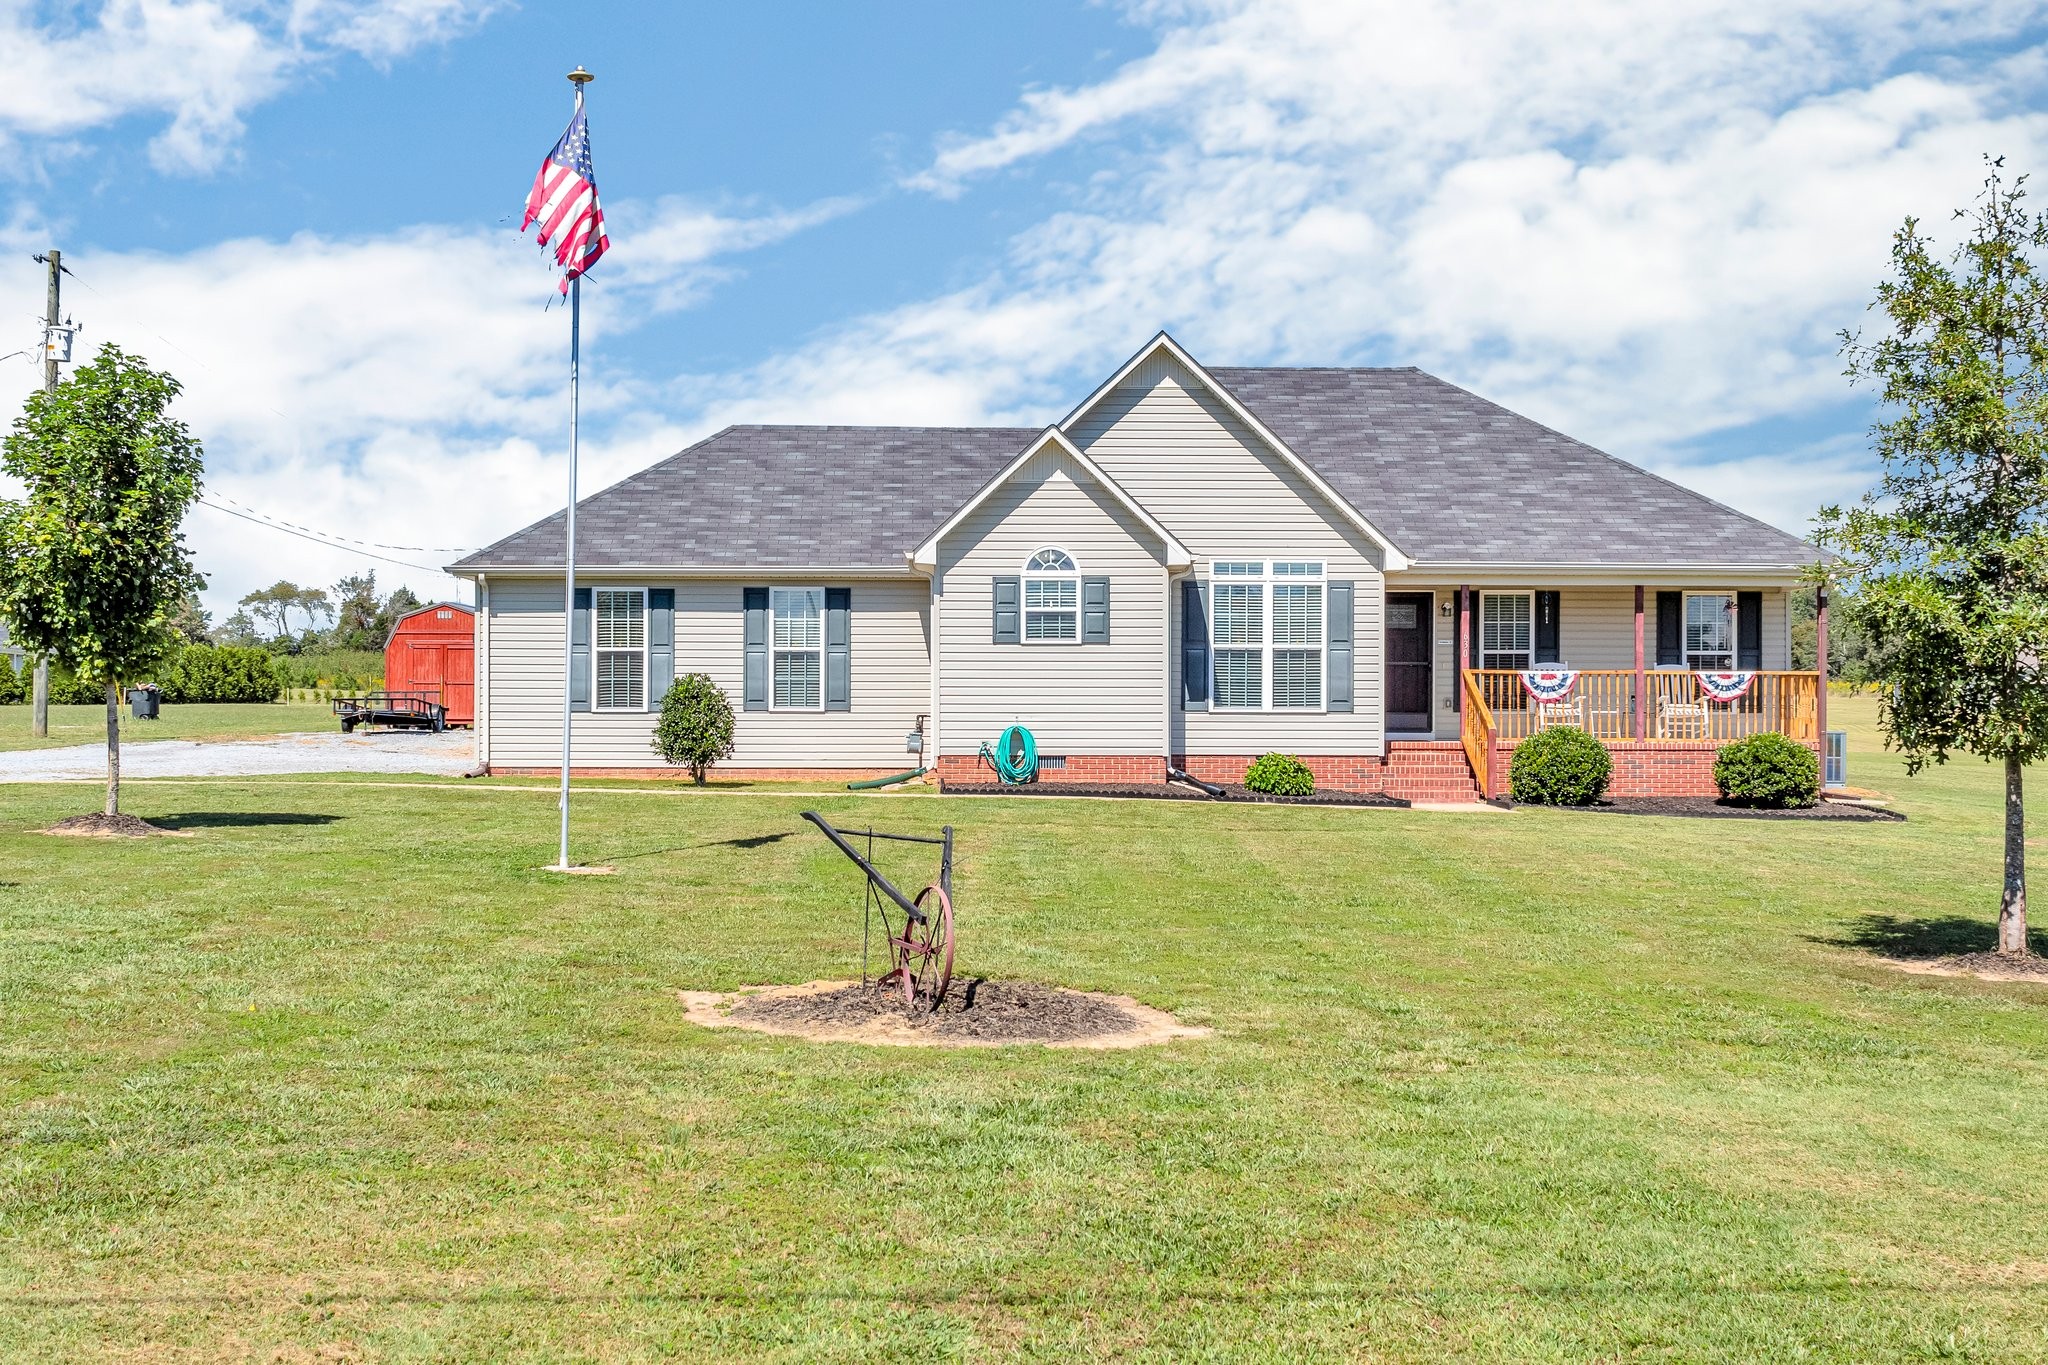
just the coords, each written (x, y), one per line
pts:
(195, 674)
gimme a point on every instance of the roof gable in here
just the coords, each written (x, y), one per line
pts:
(926, 555)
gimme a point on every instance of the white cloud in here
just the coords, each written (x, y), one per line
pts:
(202, 63)
(440, 422)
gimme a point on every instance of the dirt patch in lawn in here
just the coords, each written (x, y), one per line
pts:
(100, 825)
(1983, 966)
(975, 1013)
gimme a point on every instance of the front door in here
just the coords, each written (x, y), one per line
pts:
(1409, 645)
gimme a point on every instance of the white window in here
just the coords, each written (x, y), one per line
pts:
(1507, 630)
(798, 643)
(1266, 635)
(1052, 598)
(620, 643)
(1710, 631)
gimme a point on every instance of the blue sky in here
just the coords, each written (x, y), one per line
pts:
(1642, 227)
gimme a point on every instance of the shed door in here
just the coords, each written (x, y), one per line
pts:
(458, 685)
(1409, 635)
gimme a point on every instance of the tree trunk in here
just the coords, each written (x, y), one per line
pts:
(113, 748)
(2012, 904)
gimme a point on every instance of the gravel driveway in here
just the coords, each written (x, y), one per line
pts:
(448, 754)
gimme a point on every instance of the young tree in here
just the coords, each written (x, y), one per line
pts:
(92, 565)
(357, 613)
(275, 604)
(1946, 561)
(695, 726)
(401, 601)
(191, 622)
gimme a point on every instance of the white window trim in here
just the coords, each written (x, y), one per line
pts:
(824, 613)
(1024, 578)
(1265, 581)
(1685, 649)
(597, 651)
(1479, 623)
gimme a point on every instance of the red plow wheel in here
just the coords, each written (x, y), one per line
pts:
(924, 955)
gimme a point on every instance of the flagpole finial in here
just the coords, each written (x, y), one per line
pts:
(580, 77)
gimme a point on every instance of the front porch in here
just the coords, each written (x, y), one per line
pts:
(1660, 725)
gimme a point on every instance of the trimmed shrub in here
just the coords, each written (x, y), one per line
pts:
(66, 689)
(1768, 770)
(220, 673)
(13, 686)
(695, 728)
(1279, 775)
(1560, 765)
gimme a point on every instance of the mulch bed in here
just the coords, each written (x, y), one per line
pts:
(999, 1011)
(100, 825)
(1170, 791)
(1712, 808)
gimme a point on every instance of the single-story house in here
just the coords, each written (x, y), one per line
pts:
(1362, 567)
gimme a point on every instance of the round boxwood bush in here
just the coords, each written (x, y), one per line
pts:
(1560, 766)
(1279, 775)
(1768, 770)
(695, 729)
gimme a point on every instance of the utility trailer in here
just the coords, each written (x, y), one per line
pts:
(392, 711)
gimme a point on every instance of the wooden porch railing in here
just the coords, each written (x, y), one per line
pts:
(1604, 704)
(1478, 734)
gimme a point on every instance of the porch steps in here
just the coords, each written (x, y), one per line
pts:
(1432, 770)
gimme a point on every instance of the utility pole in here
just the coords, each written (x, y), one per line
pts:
(40, 720)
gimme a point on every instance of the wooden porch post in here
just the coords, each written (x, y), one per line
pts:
(1464, 642)
(1820, 663)
(1642, 677)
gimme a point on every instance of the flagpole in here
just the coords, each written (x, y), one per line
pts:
(579, 78)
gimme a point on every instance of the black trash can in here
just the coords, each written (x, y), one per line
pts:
(143, 701)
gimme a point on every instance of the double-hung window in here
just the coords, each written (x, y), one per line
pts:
(1052, 598)
(1710, 631)
(1507, 630)
(1266, 634)
(799, 649)
(621, 648)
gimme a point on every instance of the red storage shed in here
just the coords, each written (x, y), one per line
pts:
(432, 651)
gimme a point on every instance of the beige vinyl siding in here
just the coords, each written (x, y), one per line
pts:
(890, 680)
(1074, 698)
(1224, 494)
(1596, 630)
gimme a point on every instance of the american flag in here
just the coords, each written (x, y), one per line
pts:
(564, 202)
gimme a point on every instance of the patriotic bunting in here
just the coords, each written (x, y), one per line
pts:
(1549, 684)
(1726, 688)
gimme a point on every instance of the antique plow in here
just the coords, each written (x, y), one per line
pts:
(921, 954)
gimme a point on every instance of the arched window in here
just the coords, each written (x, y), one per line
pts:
(1052, 597)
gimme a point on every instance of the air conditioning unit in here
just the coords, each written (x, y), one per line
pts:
(1834, 760)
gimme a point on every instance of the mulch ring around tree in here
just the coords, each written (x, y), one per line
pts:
(1712, 808)
(100, 825)
(975, 1013)
(1983, 966)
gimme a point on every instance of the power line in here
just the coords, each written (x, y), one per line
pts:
(335, 535)
(319, 539)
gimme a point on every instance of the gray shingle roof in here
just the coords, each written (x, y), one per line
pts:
(1446, 475)
(1450, 477)
(776, 497)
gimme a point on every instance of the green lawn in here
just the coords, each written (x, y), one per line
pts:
(342, 1076)
(88, 724)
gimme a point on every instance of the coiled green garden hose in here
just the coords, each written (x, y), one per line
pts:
(1014, 755)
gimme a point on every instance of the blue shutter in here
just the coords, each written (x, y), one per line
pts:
(661, 644)
(1547, 646)
(1007, 616)
(1339, 654)
(838, 649)
(579, 652)
(1095, 611)
(754, 602)
(1670, 628)
(1749, 630)
(1194, 645)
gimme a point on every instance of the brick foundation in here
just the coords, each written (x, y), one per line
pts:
(719, 773)
(967, 770)
(1333, 772)
(1663, 769)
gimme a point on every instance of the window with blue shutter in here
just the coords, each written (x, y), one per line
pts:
(1547, 628)
(1006, 597)
(838, 649)
(1340, 653)
(754, 606)
(1095, 611)
(579, 652)
(1670, 630)
(1194, 645)
(661, 644)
